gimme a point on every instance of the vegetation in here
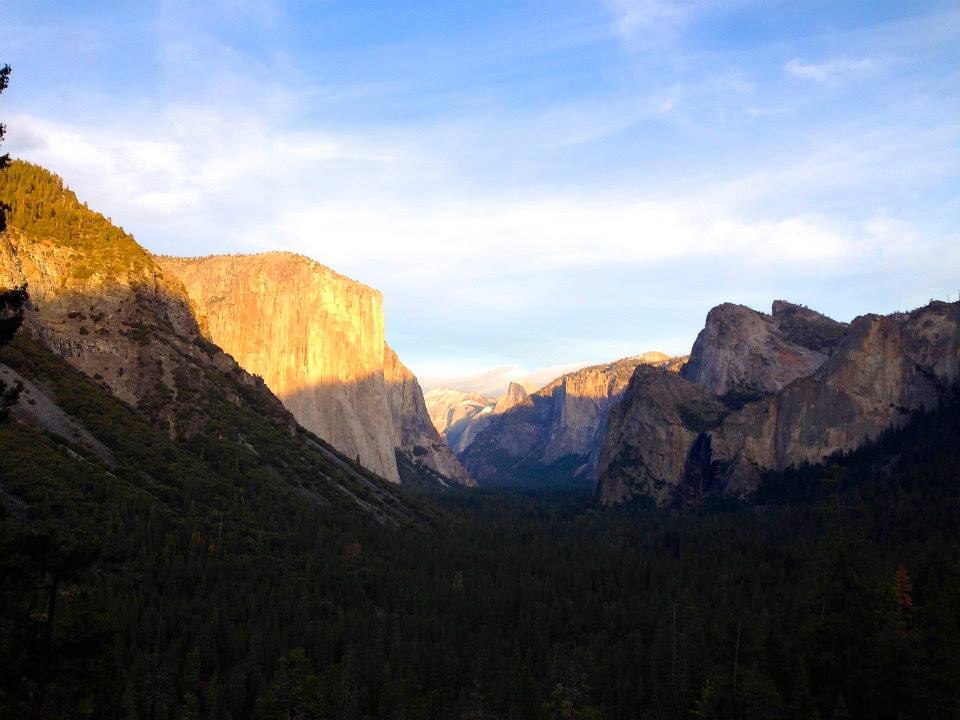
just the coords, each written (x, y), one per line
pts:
(5, 158)
(38, 203)
(188, 582)
(12, 304)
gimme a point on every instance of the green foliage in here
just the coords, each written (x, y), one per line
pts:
(700, 417)
(197, 580)
(12, 304)
(5, 158)
(735, 398)
(296, 691)
(40, 204)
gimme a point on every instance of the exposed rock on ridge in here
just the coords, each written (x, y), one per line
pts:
(317, 339)
(458, 415)
(552, 436)
(872, 376)
(742, 349)
(516, 395)
(415, 437)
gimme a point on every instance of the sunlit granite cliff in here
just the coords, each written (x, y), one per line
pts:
(103, 304)
(317, 340)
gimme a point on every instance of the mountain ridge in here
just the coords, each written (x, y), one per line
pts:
(678, 440)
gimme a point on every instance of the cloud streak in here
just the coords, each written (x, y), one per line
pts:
(829, 71)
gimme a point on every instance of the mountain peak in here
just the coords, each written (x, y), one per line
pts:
(516, 395)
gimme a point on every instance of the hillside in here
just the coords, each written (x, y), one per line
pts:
(187, 589)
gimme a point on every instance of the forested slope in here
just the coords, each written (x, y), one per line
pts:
(191, 584)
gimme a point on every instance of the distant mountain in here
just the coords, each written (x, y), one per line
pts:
(551, 437)
(458, 415)
(769, 392)
(317, 340)
(494, 382)
(448, 406)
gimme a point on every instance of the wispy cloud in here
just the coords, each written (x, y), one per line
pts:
(831, 70)
(525, 198)
(646, 23)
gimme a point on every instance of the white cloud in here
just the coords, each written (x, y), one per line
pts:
(197, 180)
(648, 21)
(829, 71)
(493, 382)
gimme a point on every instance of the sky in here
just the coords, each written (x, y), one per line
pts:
(532, 185)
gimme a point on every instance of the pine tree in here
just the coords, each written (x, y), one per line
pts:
(903, 588)
(5, 158)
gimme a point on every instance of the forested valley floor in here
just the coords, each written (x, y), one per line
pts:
(186, 583)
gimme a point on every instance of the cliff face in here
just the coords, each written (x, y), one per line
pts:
(127, 326)
(103, 304)
(650, 435)
(885, 369)
(317, 340)
(458, 415)
(516, 395)
(740, 349)
(551, 436)
(859, 381)
(414, 436)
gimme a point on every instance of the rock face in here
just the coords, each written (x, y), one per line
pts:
(127, 326)
(650, 435)
(100, 302)
(415, 439)
(458, 415)
(515, 395)
(860, 380)
(552, 436)
(741, 349)
(317, 340)
(885, 369)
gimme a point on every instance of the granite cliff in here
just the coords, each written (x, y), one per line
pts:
(458, 414)
(317, 340)
(770, 392)
(740, 349)
(552, 436)
(102, 303)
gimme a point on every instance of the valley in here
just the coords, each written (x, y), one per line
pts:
(224, 495)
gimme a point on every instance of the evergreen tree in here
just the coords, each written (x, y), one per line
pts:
(5, 158)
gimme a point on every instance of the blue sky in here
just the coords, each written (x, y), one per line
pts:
(530, 184)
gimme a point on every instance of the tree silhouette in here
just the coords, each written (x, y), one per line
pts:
(5, 158)
(903, 588)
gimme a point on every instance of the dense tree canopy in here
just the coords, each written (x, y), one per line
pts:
(180, 586)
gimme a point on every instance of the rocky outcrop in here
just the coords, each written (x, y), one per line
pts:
(552, 436)
(887, 368)
(317, 340)
(650, 435)
(740, 349)
(516, 395)
(458, 415)
(448, 406)
(415, 437)
(126, 325)
(860, 380)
